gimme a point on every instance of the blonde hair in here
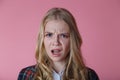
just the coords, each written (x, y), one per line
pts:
(75, 67)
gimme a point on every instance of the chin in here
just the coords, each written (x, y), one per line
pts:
(56, 60)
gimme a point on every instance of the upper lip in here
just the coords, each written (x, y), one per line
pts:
(57, 49)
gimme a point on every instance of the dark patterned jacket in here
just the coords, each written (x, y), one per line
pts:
(29, 72)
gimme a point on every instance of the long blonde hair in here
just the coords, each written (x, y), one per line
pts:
(75, 67)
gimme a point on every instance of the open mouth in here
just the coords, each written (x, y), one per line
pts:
(56, 52)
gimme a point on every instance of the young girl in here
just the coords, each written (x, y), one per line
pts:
(58, 52)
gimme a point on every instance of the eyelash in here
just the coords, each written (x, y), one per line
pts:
(48, 35)
(64, 36)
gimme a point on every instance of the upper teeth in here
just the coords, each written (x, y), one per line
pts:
(55, 51)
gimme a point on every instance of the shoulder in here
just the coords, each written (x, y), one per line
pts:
(92, 75)
(27, 73)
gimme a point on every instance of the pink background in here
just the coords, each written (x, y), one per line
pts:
(98, 22)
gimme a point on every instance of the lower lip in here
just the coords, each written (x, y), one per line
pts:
(56, 55)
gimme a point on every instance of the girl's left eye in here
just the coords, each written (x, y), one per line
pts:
(64, 35)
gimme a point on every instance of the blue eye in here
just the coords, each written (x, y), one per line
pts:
(64, 35)
(48, 35)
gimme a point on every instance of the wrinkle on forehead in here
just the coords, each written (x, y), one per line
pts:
(57, 26)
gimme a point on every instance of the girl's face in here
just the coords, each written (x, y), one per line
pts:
(57, 40)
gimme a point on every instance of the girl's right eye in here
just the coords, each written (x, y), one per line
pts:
(48, 35)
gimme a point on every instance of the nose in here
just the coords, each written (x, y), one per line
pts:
(56, 40)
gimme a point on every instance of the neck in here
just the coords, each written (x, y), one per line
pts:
(58, 66)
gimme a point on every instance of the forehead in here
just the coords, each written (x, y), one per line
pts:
(56, 26)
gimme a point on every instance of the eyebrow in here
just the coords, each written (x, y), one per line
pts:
(59, 33)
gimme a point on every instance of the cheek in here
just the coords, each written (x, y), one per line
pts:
(66, 45)
(45, 43)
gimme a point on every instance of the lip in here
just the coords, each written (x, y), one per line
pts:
(56, 54)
